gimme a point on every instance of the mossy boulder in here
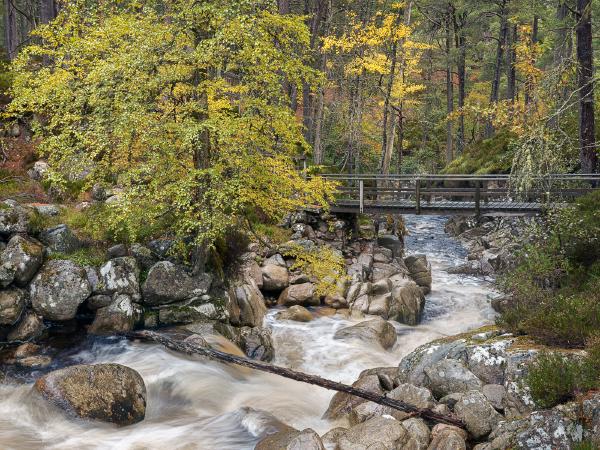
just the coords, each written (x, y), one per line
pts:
(23, 256)
(105, 392)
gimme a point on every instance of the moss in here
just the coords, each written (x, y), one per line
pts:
(483, 157)
(87, 256)
(273, 233)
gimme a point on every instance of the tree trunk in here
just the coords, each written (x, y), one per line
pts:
(48, 10)
(585, 59)
(461, 45)
(10, 29)
(400, 130)
(449, 92)
(283, 6)
(534, 40)
(494, 95)
(511, 73)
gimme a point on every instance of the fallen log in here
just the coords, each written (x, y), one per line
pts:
(207, 351)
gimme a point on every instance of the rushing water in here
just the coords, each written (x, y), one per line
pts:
(196, 404)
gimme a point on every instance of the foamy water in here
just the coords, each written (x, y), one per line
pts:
(199, 404)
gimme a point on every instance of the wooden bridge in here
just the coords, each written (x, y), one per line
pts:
(457, 194)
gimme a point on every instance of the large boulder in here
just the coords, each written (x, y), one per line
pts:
(447, 437)
(419, 431)
(381, 433)
(296, 313)
(420, 270)
(169, 283)
(247, 306)
(120, 276)
(12, 305)
(342, 404)
(23, 256)
(371, 331)
(120, 316)
(275, 277)
(407, 301)
(299, 294)
(106, 392)
(391, 242)
(14, 219)
(449, 376)
(291, 439)
(478, 415)
(143, 255)
(60, 239)
(58, 289)
(187, 312)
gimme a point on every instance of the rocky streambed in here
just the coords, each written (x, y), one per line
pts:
(191, 403)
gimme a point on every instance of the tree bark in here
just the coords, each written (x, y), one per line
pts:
(449, 90)
(206, 351)
(10, 29)
(461, 45)
(48, 10)
(585, 59)
(494, 95)
(511, 73)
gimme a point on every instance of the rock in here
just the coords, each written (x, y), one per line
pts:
(251, 272)
(296, 313)
(449, 376)
(331, 438)
(168, 283)
(420, 270)
(407, 302)
(590, 407)
(29, 328)
(46, 209)
(116, 251)
(106, 392)
(189, 312)
(276, 260)
(379, 433)
(412, 367)
(23, 257)
(120, 276)
(25, 350)
(447, 437)
(60, 239)
(38, 171)
(99, 192)
(7, 275)
(552, 429)
(35, 362)
(13, 219)
(275, 278)
(143, 255)
(120, 316)
(291, 440)
(299, 294)
(249, 304)
(495, 394)
(256, 343)
(342, 404)
(98, 301)
(478, 415)
(393, 243)
(382, 270)
(370, 331)
(58, 289)
(161, 247)
(12, 305)
(419, 431)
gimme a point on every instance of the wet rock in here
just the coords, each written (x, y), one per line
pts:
(420, 270)
(407, 302)
(143, 255)
(60, 239)
(35, 362)
(14, 219)
(447, 437)
(120, 316)
(168, 283)
(296, 313)
(30, 327)
(248, 307)
(449, 376)
(419, 431)
(392, 243)
(342, 404)
(299, 294)
(275, 278)
(478, 415)
(25, 350)
(12, 305)
(58, 289)
(331, 438)
(291, 440)
(120, 276)
(371, 331)
(98, 301)
(106, 392)
(377, 433)
(256, 343)
(22, 256)
(190, 311)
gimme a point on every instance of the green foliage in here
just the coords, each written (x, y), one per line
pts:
(585, 445)
(272, 233)
(492, 155)
(180, 104)
(87, 256)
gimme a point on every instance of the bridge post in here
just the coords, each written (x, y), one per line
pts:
(361, 196)
(477, 198)
(418, 195)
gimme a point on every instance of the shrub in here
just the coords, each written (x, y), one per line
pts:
(87, 256)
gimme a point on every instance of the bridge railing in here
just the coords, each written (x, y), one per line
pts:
(475, 192)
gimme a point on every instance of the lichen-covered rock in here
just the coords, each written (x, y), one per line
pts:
(60, 239)
(106, 392)
(420, 270)
(23, 257)
(12, 305)
(371, 331)
(169, 283)
(291, 440)
(30, 327)
(591, 412)
(120, 316)
(299, 294)
(120, 276)
(248, 306)
(449, 376)
(190, 311)
(58, 289)
(275, 277)
(407, 302)
(296, 313)
(14, 219)
(419, 431)
(447, 437)
(380, 433)
(478, 415)
(98, 301)
(38, 170)
(256, 343)
(143, 255)
(342, 404)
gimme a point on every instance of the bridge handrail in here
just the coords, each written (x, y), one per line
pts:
(459, 177)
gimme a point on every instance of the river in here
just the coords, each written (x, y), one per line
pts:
(197, 404)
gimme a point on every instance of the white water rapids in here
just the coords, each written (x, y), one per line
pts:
(195, 404)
